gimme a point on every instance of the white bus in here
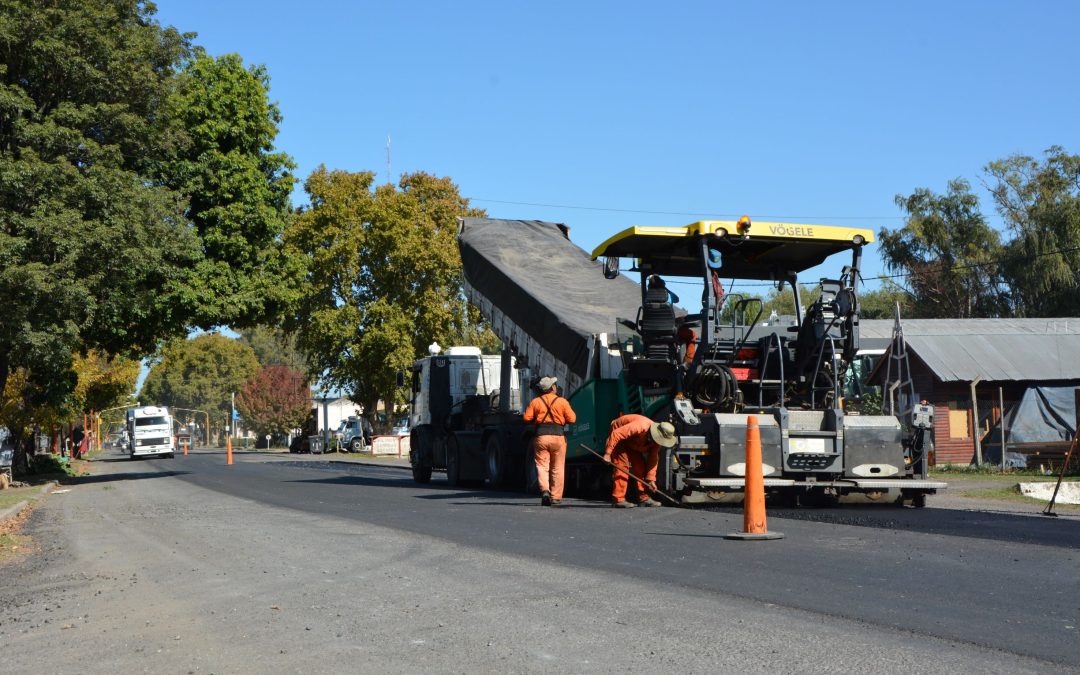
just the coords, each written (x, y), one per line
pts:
(150, 432)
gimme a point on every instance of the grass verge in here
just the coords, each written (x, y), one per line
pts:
(1012, 494)
(12, 496)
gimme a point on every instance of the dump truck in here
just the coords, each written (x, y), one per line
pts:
(538, 292)
(455, 392)
(618, 346)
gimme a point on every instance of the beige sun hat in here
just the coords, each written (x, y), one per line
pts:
(546, 383)
(663, 433)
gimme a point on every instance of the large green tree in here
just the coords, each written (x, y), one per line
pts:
(238, 191)
(384, 277)
(201, 373)
(948, 253)
(93, 254)
(1040, 202)
(274, 347)
(139, 190)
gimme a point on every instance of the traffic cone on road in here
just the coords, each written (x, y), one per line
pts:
(185, 447)
(754, 526)
(228, 449)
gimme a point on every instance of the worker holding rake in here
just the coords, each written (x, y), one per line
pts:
(633, 448)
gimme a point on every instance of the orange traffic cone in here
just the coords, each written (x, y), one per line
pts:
(185, 447)
(228, 449)
(754, 526)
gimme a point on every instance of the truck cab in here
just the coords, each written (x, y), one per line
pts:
(453, 395)
(149, 431)
(354, 434)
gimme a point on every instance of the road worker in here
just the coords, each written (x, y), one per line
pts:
(549, 412)
(633, 445)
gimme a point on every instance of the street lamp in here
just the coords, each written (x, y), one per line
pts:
(97, 420)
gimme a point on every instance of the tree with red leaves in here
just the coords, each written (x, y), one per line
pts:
(276, 401)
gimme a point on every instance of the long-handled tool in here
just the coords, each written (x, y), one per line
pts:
(1049, 510)
(641, 481)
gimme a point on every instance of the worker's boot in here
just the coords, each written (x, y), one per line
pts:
(622, 505)
(545, 498)
(649, 501)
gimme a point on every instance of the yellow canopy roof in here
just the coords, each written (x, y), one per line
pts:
(765, 250)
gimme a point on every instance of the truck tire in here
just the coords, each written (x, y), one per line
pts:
(498, 463)
(453, 461)
(532, 482)
(420, 455)
(357, 445)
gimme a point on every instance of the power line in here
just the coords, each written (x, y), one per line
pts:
(955, 268)
(677, 213)
(882, 277)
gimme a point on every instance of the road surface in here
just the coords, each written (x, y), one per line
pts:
(286, 564)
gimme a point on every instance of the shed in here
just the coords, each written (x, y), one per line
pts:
(1004, 357)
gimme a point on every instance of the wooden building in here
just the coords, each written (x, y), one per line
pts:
(1001, 357)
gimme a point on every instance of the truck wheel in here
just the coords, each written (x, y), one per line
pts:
(357, 445)
(919, 500)
(420, 456)
(498, 464)
(532, 482)
(453, 462)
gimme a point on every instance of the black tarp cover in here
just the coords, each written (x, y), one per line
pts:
(544, 283)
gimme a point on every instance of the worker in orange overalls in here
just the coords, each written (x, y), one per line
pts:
(549, 412)
(633, 445)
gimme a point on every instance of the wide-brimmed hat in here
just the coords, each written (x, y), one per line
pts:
(546, 383)
(663, 433)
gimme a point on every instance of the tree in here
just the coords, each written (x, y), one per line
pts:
(139, 192)
(948, 253)
(104, 381)
(780, 302)
(274, 347)
(384, 278)
(275, 401)
(201, 373)
(881, 303)
(1040, 203)
(93, 253)
(238, 192)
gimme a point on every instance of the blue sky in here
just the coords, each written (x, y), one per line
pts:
(663, 113)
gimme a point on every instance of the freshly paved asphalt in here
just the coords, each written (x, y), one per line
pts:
(1000, 581)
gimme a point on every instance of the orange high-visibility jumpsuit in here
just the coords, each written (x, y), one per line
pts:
(549, 412)
(631, 448)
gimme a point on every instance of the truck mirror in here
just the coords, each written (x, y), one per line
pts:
(611, 267)
(401, 378)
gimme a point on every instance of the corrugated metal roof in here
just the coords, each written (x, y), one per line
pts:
(884, 327)
(997, 350)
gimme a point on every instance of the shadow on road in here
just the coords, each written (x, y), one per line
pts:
(433, 491)
(1025, 529)
(110, 477)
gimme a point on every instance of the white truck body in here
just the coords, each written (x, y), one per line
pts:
(150, 432)
(469, 374)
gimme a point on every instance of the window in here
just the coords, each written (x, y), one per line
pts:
(959, 424)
